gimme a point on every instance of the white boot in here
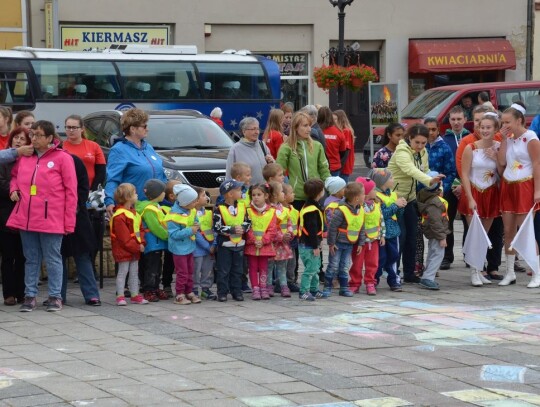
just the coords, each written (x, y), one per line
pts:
(475, 278)
(535, 280)
(509, 276)
(483, 279)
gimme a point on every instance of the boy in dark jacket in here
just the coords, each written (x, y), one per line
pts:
(311, 229)
(433, 209)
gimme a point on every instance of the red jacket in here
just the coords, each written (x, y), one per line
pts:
(274, 142)
(348, 167)
(125, 246)
(268, 239)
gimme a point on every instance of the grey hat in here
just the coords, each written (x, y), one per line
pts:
(379, 176)
(433, 187)
(334, 184)
(185, 195)
(153, 188)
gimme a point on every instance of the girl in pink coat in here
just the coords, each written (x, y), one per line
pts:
(44, 187)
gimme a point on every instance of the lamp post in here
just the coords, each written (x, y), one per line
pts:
(341, 4)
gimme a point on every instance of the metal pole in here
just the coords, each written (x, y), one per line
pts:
(341, 51)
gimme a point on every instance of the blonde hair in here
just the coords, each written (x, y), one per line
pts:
(271, 170)
(275, 118)
(274, 186)
(292, 140)
(238, 168)
(343, 121)
(124, 193)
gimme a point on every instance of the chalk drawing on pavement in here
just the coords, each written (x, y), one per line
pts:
(495, 397)
(503, 373)
(7, 376)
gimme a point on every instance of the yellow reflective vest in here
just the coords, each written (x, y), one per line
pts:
(372, 222)
(231, 220)
(354, 223)
(332, 206)
(207, 224)
(260, 222)
(294, 215)
(283, 219)
(305, 210)
(185, 220)
(444, 214)
(135, 217)
(388, 200)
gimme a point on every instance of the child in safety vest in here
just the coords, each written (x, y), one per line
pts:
(375, 233)
(310, 232)
(273, 172)
(294, 214)
(283, 238)
(230, 224)
(346, 230)
(205, 247)
(168, 263)
(183, 225)
(260, 239)
(434, 211)
(392, 208)
(127, 243)
(335, 186)
(153, 216)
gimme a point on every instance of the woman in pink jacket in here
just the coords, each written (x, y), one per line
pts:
(44, 187)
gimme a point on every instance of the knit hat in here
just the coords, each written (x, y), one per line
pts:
(153, 188)
(379, 176)
(433, 187)
(185, 195)
(229, 185)
(334, 184)
(367, 183)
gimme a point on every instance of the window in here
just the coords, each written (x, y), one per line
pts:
(159, 80)
(15, 90)
(77, 79)
(530, 97)
(233, 80)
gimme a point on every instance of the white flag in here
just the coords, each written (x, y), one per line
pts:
(525, 243)
(476, 244)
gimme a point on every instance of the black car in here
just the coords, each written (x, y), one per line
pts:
(194, 148)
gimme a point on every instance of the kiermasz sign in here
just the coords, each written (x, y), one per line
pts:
(86, 37)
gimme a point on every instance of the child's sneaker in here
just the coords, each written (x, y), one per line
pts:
(265, 295)
(121, 300)
(354, 290)
(319, 294)
(370, 289)
(194, 298)
(195, 291)
(345, 292)
(138, 299)
(207, 294)
(169, 292)
(151, 296)
(306, 296)
(256, 294)
(54, 304)
(162, 295)
(396, 288)
(28, 305)
(246, 289)
(429, 284)
(182, 300)
(285, 292)
(327, 291)
(270, 290)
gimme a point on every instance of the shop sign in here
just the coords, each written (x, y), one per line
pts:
(291, 64)
(467, 59)
(85, 38)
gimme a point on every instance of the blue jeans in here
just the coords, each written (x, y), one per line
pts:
(339, 263)
(39, 246)
(388, 258)
(344, 177)
(408, 224)
(85, 273)
(335, 173)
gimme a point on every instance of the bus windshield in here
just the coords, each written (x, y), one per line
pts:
(428, 104)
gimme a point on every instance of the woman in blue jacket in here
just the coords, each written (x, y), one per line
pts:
(132, 159)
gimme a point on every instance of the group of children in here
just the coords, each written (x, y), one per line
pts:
(255, 230)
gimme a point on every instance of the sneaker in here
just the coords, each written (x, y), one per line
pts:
(412, 280)
(181, 300)
(354, 290)
(345, 292)
(285, 292)
(445, 265)
(138, 299)
(196, 291)
(370, 289)
(396, 288)
(222, 298)
(207, 294)
(162, 295)
(327, 291)
(265, 295)
(246, 289)
(55, 304)
(270, 289)
(238, 297)
(319, 294)
(121, 300)
(256, 294)
(306, 296)
(194, 298)
(168, 291)
(429, 284)
(293, 287)
(28, 305)
(94, 302)
(151, 296)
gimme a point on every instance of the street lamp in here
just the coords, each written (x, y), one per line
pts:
(341, 4)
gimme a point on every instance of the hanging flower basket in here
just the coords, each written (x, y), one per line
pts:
(330, 76)
(359, 75)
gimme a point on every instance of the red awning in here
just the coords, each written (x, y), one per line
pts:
(486, 54)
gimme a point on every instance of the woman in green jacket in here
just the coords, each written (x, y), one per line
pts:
(302, 157)
(409, 166)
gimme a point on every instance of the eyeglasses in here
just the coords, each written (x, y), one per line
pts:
(72, 128)
(35, 135)
(254, 129)
(144, 126)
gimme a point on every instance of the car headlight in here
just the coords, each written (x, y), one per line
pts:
(174, 175)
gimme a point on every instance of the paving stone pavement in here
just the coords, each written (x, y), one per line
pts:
(460, 346)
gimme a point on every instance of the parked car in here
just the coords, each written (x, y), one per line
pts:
(437, 102)
(194, 149)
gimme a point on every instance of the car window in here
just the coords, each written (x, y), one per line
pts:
(92, 129)
(530, 97)
(428, 104)
(111, 131)
(174, 133)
